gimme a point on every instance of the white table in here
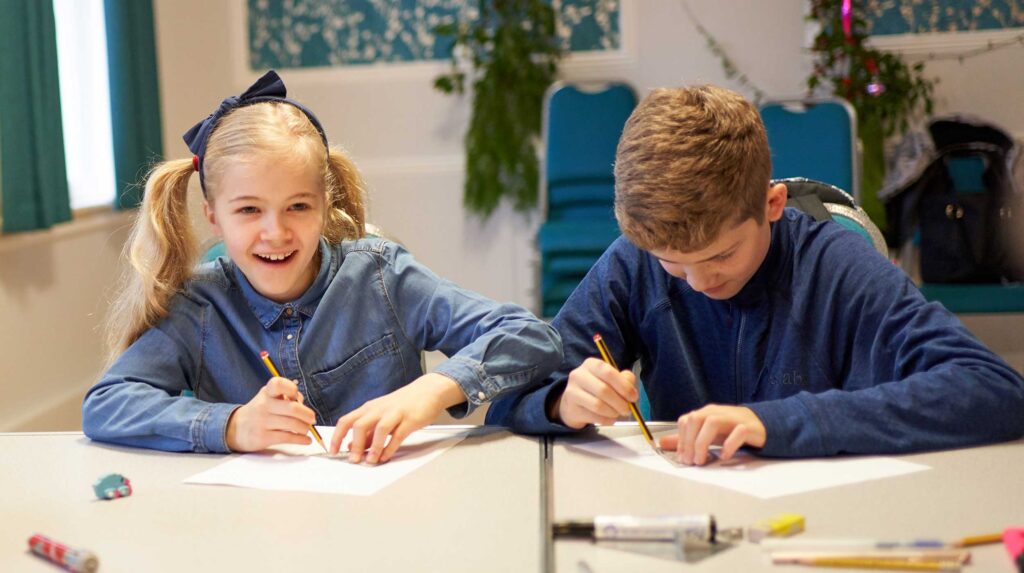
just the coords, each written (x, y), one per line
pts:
(475, 508)
(967, 492)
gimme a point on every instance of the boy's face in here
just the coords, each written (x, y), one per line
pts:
(721, 270)
(270, 218)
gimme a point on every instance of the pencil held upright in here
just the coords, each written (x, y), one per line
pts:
(607, 357)
(265, 356)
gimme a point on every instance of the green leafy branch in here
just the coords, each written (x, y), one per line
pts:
(879, 85)
(513, 51)
(887, 93)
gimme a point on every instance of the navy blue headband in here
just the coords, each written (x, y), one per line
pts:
(270, 87)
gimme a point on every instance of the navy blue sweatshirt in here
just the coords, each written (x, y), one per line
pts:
(830, 344)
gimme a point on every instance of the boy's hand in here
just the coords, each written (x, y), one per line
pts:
(274, 416)
(596, 393)
(730, 426)
(397, 414)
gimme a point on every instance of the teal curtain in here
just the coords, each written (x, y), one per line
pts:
(134, 95)
(33, 181)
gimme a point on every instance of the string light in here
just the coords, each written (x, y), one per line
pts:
(734, 73)
(967, 54)
(730, 69)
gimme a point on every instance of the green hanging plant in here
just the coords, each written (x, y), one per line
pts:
(513, 51)
(886, 91)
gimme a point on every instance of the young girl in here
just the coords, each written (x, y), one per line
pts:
(344, 321)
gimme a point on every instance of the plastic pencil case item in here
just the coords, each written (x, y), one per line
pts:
(112, 486)
(781, 525)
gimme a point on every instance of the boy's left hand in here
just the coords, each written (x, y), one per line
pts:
(397, 414)
(730, 426)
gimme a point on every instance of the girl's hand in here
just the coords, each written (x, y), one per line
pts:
(397, 414)
(274, 416)
(730, 426)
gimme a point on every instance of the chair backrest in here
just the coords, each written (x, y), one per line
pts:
(816, 139)
(828, 202)
(582, 126)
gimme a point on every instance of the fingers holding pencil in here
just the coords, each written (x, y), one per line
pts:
(270, 418)
(596, 393)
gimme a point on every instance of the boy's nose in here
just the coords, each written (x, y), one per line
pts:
(700, 282)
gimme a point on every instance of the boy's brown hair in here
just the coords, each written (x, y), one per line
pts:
(690, 162)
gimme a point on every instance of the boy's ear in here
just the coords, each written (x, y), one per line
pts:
(212, 218)
(776, 201)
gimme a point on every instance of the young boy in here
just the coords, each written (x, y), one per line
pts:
(753, 324)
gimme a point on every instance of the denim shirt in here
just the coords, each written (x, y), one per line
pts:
(356, 334)
(830, 344)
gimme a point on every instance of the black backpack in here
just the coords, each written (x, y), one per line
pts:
(963, 203)
(825, 202)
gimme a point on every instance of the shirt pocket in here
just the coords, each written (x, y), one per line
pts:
(372, 371)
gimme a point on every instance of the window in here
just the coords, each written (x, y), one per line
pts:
(85, 101)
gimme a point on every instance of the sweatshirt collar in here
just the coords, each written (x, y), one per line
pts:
(765, 278)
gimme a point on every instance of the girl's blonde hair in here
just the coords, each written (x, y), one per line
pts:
(162, 248)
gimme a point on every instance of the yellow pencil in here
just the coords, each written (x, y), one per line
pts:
(979, 540)
(273, 372)
(607, 356)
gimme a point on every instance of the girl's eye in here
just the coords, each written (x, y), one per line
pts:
(247, 210)
(300, 207)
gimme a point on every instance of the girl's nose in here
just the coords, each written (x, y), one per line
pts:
(274, 228)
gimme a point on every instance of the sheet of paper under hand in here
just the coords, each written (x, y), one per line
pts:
(307, 468)
(760, 477)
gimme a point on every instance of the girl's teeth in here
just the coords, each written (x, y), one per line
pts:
(275, 257)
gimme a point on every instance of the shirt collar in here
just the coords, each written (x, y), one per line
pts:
(268, 312)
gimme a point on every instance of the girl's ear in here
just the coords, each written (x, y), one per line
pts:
(211, 217)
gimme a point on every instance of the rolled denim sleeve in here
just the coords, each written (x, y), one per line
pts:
(138, 401)
(492, 348)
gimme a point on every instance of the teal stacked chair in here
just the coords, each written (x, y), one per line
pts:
(582, 126)
(816, 139)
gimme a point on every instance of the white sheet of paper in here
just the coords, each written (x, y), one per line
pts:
(759, 477)
(307, 468)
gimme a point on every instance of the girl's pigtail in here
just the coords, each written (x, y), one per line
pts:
(346, 199)
(162, 251)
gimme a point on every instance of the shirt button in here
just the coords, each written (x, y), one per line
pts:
(289, 311)
(290, 336)
(481, 396)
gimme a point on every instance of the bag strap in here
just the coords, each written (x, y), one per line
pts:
(810, 204)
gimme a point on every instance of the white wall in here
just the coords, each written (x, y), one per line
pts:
(53, 292)
(407, 138)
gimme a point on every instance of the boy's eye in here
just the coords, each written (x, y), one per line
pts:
(724, 256)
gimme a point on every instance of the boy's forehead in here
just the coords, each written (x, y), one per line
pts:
(728, 237)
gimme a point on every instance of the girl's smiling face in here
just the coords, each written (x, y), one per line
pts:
(270, 216)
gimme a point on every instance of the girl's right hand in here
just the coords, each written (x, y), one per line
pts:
(275, 415)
